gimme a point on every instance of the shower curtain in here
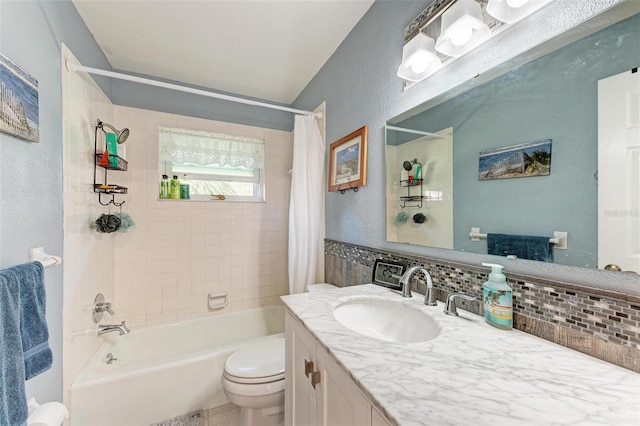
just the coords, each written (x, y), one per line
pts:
(306, 205)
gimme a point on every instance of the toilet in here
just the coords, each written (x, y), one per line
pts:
(253, 379)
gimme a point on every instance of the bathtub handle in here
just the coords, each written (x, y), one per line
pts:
(100, 306)
(308, 367)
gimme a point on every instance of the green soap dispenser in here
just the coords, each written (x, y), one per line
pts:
(498, 302)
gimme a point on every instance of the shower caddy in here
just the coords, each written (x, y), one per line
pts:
(105, 187)
(410, 200)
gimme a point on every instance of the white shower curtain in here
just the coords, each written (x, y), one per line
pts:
(306, 205)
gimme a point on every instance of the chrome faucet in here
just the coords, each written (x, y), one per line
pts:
(120, 328)
(430, 294)
(450, 306)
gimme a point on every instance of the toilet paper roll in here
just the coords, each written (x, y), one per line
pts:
(48, 414)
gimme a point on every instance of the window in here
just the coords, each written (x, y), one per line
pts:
(214, 163)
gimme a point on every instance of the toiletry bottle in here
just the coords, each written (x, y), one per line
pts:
(417, 175)
(164, 187)
(184, 188)
(498, 305)
(174, 188)
(112, 147)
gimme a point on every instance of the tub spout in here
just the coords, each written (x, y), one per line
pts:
(120, 328)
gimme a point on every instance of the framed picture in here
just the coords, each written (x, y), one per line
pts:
(524, 160)
(18, 101)
(348, 161)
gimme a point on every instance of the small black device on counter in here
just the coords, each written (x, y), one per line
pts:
(387, 273)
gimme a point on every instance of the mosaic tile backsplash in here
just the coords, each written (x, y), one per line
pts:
(596, 323)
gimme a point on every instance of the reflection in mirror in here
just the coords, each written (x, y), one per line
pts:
(551, 98)
(420, 173)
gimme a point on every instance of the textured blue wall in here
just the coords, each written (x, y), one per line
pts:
(360, 87)
(31, 33)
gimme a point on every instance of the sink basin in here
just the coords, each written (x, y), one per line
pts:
(386, 320)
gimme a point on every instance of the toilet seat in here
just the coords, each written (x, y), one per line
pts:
(257, 364)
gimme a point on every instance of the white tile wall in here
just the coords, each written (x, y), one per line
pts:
(178, 251)
(88, 256)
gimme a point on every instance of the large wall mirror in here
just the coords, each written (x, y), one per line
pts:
(544, 112)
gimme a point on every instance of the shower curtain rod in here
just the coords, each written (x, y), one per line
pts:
(76, 67)
(415, 132)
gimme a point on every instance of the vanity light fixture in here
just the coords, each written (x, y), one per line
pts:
(419, 59)
(512, 11)
(458, 26)
(462, 28)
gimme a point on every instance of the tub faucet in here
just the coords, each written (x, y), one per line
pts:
(430, 294)
(120, 328)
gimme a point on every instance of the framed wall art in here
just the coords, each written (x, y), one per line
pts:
(524, 160)
(18, 101)
(348, 161)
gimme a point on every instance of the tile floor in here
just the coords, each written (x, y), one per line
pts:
(225, 415)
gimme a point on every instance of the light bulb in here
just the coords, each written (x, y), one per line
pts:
(461, 34)
(517, 3)
(419, 62)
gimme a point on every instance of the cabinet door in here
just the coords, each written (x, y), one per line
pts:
(378, 419)
(300, 397)
(340, 402)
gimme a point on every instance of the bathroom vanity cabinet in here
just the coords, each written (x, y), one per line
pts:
(437, 380)
(318, 391)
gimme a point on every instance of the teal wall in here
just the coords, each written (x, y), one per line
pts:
(554, 97)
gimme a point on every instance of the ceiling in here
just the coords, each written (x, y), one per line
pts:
(264, 49)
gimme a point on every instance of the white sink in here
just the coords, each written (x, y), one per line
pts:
(386, 320)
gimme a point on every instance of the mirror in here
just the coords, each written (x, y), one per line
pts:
(551, 98)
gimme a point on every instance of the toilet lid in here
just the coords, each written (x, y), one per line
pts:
(264, 359)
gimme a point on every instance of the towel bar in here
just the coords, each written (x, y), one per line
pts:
(559, 239)
(37, 254)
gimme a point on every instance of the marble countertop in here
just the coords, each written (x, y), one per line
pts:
(472, 373)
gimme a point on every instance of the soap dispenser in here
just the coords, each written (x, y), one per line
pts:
(498, 302)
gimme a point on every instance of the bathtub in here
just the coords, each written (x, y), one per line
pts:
(166, 371)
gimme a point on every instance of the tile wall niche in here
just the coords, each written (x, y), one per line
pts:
(599, 323)
(88, 256)
(179, 251)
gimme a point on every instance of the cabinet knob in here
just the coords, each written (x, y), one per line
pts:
(308, 367)
(315, 379)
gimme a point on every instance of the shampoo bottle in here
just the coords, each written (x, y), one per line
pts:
(164, 187)
(112, 147)
(184, 188)
(174, 188)
(498, 302)
(417, 175)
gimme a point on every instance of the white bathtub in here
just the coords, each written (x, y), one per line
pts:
(167, 370)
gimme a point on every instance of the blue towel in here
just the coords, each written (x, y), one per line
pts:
(24, 348)
(13, 400)
(521, 246)
(33, 324)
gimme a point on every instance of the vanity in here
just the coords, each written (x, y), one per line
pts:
(468, 372)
